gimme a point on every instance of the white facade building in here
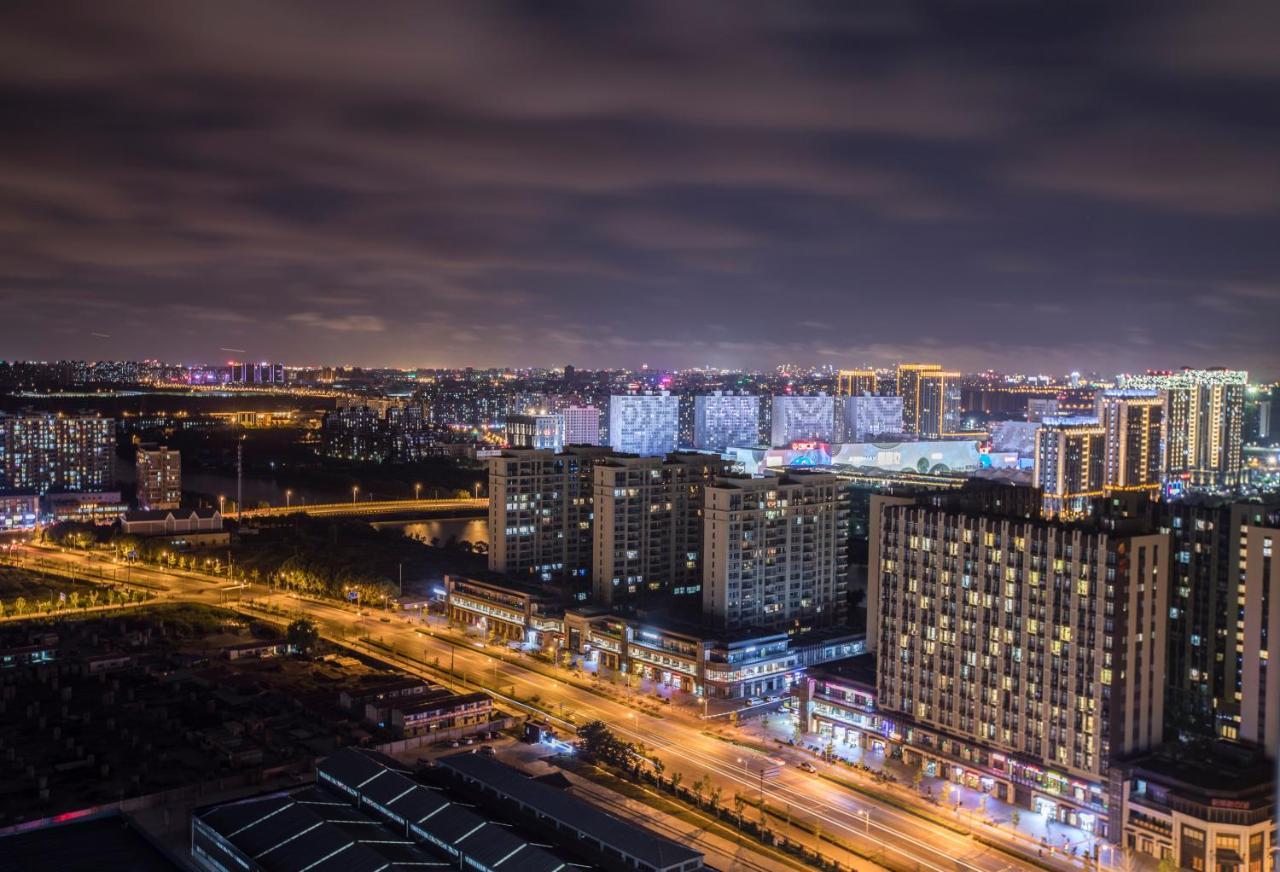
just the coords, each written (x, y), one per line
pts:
(804, 418)
(644, 424)
(866, 418)
(723, 420)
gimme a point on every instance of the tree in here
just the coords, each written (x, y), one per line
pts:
(713, 799)
(917, 778)
(658, 768)
(699, 787)
(738, 805)
(20, 606)
(303, 635)
(1015, 817)
(676, 778)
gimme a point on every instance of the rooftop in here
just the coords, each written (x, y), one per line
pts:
(637, 842)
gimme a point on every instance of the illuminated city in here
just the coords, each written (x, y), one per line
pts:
(646, 436)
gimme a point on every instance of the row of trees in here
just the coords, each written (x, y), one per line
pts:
(75, 601)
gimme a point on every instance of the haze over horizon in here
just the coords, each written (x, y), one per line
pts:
(1091, 187)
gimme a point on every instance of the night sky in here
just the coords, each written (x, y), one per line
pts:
(1024, 185)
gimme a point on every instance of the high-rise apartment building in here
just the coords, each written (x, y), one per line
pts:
(1020, 653)
(159, 477)
(930, 400)
(540, 513)
(1133, 421)
(775, 551)
(809, 418)
(645, 424)
(43, 453)
(856, 382)
(1221, 614)
(257, 373)
(1203, 424)
(648, 525)
(1070, 460)
(581, 425)
(723, 420)
(866, 418)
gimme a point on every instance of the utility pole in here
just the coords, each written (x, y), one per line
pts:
(239, 475)
(402, 579)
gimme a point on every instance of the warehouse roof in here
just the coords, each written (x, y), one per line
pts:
(590, 822)
(310, 830)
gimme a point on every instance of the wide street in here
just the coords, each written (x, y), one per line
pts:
(677, 737)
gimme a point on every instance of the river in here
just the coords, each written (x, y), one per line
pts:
(470, 529)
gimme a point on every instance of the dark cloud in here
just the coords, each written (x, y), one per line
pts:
(1082, 186)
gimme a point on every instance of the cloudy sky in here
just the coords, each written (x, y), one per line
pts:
(1090, 186)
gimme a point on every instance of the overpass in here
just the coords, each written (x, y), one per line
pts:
(380, 507)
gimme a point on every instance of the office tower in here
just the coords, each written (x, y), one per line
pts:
(775, 551)
(1039, 408)
(648, 525)
(1132, 420)
(581, 425)
(42, 453)
(930, 400)
(644, 424)
(856, 382)
(540, 513)
(538, 430)
(1222, 608)
(1015, 652)
(803, 419)
(723, 420)
(867, 418)
(1070, 460)
(1204, 421)
(159, 477)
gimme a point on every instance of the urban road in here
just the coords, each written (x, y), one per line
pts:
(876, 829)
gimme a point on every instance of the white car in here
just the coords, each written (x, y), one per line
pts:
(808, 767)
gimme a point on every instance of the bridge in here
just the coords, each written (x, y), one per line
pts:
(379, 507)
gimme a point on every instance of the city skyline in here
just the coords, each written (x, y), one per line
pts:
(735, 186)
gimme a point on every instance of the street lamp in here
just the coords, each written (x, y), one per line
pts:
(355, 489)
(221, 499)
(865, 814)
(477, 490)
(417, 491)
(288, 497)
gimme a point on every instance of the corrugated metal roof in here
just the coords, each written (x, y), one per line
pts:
(638, 842)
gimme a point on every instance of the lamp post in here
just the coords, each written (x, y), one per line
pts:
(288, 498)
(355, 489)
(221, 500)
(417, 491)
(866, 817)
